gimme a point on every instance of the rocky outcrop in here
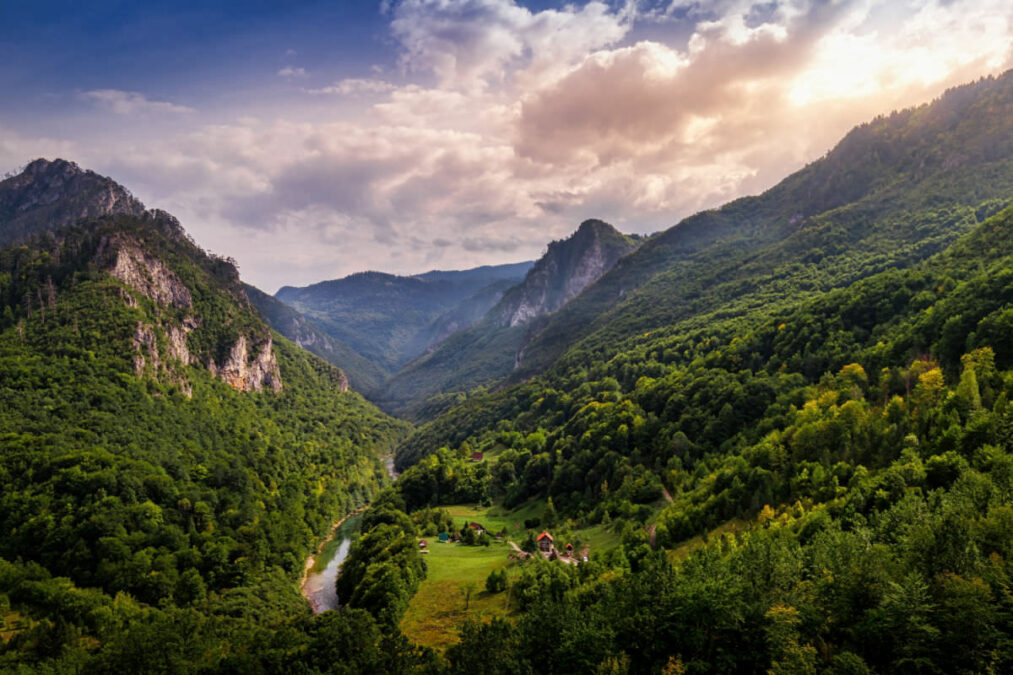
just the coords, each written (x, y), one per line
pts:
(251, 364)
(250, 367)
(567, 268)
(149, 276)
(51, 194)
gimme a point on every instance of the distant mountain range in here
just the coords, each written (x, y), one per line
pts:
(392, 319)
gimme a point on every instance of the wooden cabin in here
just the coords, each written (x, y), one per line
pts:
(545, 542)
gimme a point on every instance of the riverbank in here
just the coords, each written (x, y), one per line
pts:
(318, 586)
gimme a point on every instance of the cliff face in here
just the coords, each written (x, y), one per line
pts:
(249, 367)
(163, 344)
(564, 271)
(50, 194)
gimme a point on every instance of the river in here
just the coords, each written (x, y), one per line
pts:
(322, 568)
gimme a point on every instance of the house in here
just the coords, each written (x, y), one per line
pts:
(569, 550)
(477, 527)
(423, 544)
(444, 537)
(545, 542)
(477, 456)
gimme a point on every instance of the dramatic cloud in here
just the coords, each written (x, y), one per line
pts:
(495, 127)
(131, 102)
(475, 43)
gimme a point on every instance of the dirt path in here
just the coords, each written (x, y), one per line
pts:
(665, 493)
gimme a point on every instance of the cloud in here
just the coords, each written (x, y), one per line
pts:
(131, 102)
(16, 149)
(354, 86)
(513, 125)
(476, 43)
(290, 72)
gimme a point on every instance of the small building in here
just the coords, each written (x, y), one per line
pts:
(477, 527)
(477, 456)
(545, 542)
(423, 544)
(444, 537)
(569, 550)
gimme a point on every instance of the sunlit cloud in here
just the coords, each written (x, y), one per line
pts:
(496, 127)
(354, 86)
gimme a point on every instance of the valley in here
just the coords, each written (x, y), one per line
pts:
(776, 436)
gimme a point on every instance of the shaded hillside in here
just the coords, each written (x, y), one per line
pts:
(391, 319)
(363, 376)
(490, 349)
(893, 191)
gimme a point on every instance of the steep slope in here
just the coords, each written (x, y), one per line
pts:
(490, 349)
(920, 177)
(892, 192)
(49, 194)
(363, 376)
(389, 319)
(162, 448)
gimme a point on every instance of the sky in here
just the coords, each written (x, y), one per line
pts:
(310, 140)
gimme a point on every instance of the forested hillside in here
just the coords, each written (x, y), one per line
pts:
(364, 376)
(167, 463)
(853, 448)
(893, 191)
(775, 438)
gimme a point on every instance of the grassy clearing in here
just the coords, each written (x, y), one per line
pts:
(495, 518)
(438, 607)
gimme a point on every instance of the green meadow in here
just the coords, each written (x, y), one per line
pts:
(440, 605)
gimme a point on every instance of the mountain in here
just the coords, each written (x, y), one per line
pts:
(892, 192)
(49, 194)
(168, 461)
(391, 319)
(793, 413)
(363, 376)
(490, 349)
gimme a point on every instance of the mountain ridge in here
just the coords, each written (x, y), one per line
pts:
(489, 350)
(50, 194)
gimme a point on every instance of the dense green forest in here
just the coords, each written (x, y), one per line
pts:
(862, 437)
(167, 504)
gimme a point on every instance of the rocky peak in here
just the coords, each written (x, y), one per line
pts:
(48, 194)
(567, 267)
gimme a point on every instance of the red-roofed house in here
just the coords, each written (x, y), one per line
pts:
(545, 542)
